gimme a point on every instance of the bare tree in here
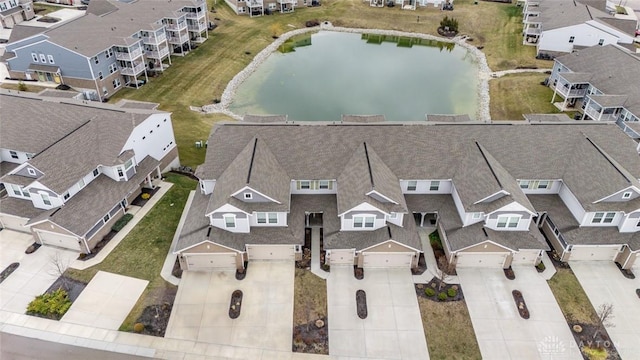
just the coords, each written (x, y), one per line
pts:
(605, 317)
(443, 271)
(59, 267)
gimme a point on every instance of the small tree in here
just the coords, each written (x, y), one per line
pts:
(276, 30)
(449, 23)
(605, 318)
(58, 268)
(443, 271)
(22, 86)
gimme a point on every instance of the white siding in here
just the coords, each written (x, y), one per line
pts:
(523, 224)
(75, 188)
(282, 220)
(571, 203)
(110, 171)
(589, 217)
(469, 220)
(5, 155)
(242, 225)
(459, 206)
(314, 187)
(37, 201)
(347, 224)
(207, 186)
(584, 35)
(398, 220)
(629, 224)
(157, 132)
(422, 187)
(554, 188)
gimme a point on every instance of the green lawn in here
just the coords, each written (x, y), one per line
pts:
(201, 76)
(516, 94)
(142, 252)
(448, 329)
(572, 299)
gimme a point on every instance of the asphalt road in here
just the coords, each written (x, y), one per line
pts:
(13, 347)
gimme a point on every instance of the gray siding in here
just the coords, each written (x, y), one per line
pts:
(525, 215)
(25, 172)
(618, 197)
(131, 172)
(255, 197)
(238, 215)
(71, 64)
(634, 215)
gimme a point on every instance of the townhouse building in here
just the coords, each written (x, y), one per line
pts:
(557, 27)
(601, 83)
(371, 186)
(114, 44)
(14, 12)
(262, 7)
(70, 168)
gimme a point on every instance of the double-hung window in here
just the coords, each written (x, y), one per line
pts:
(229, 221)
(412, 185)
(508, 222)
(434, 186)
(603, 218)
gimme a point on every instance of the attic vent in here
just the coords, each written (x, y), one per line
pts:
(485, 232)
(366, 154)
(253, 155)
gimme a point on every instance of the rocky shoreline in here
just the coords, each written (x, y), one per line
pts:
(484, 73)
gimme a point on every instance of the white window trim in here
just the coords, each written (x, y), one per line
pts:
(45, 199)
(434, 185)
(248, 196)
(364, 221)
(508, 222)
(226, 224)
(305, 185)
(270, 218)
(50, 58)
(31, 172)
(476, 216)
(412, 185)
(392, 216)
(261, 218)
(626, 195)
(34, 57)
(604, 218)
(323, 184)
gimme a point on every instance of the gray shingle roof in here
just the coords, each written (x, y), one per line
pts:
(196, 225)
(85, 209)
(255, 167)
(19, 207)
(449, 118)
(547, 118)
(363, 119)
(84, 135)
(610, 100)
(614, 71)
(571, 230)
(263, 119)
(366, 172)
(443, 152)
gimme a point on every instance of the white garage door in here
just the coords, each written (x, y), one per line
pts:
(594, 252)
(207, 262)
(341, 257)
(13, 223)
(484, 260)
(525, 257)
(384, 260)
(55, 239)
(271, 252)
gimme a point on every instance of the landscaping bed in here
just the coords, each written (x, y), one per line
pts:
(99, 246)
(445, 293)
(57, 300)
(155, 318)
(309, 306)
(8, 270)
(142, 199)
(361, 304)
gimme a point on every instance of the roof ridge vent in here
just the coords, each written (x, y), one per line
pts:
(489, 165)
(253, 156)
(366, 154)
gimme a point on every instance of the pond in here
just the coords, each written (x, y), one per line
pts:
(319, 77)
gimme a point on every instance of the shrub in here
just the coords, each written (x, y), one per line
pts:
(429, 292)
(577, 329)
(145, 196)
(434, 240)
(122, 222)
(22, 86)
(450, 23)
(51, 305)
(540, 266)
(138, 327)
(452, 292)
(442, 296)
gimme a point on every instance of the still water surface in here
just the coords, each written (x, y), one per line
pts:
(327, 74)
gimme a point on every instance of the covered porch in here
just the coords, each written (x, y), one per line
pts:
(572, 87)
(603, 107)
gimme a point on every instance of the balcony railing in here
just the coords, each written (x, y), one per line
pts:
(254, 3)
(199, 27)
(178, 39)
(555, 230)
(195, 15)
(595, 115)
(154, 40)
(177, 26)
(128, 55)
(158, 54)
(567, 92)
(137, 69)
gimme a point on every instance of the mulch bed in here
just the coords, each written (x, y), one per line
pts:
(71, 286)
(99, 246)
(627, 273)
(358, 273)
(520, 304)
(361, 304)
(422, 266)
(433, 284)
(311, 338)
(555, 260)
(509, 274)
(6, 272)
(448, 34)
(242, 273)
(32, 248)
(155, 318)
(540, 267)
(585, 338)
(638, 292)
(177, 270)
(235, 304)
(139, 201)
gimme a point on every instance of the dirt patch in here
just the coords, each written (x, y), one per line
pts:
(358, 273)
(242, 273)
(235, 304)
(8, 270)
(311, 337)
(422, 266)
(361, 304)
(32, 248)
(626, 272)
(584, 336)
(155, 317)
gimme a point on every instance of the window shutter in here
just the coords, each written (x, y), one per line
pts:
(314, 185)
(298, 184)
(330, 184)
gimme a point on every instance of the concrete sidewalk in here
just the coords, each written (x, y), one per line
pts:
(430, 259)
(167, 266)
(140, 214)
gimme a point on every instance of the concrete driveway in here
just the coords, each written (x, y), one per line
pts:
(501, 332)
(201, 308)
(603, 283)
(35, 274)
(393, 327)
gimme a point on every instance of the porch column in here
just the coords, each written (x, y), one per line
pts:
(158, 172)
(554, 95)
(564, 104)
(586, 106)
(600, 114)
(422, 216)
(148, 180)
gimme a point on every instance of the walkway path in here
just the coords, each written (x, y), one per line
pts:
(170, 260)
(497, 74)
(315, 254)
(430, 260)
